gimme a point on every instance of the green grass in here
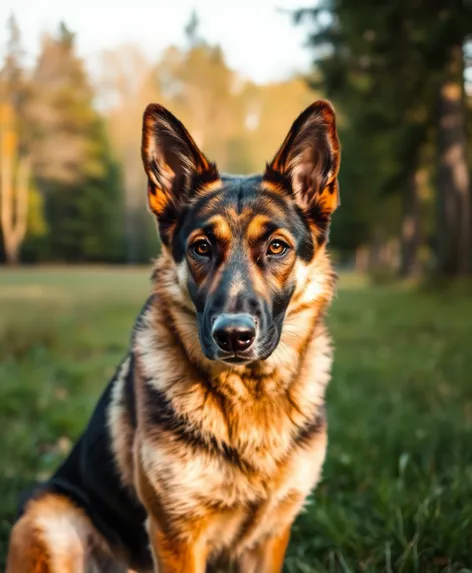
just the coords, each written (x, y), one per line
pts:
(397, 489)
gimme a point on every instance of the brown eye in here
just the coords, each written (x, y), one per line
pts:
(202, 248)
(277, 248)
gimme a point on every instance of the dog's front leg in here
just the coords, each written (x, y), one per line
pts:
(173, 555)
(174, 550)
(266, 557)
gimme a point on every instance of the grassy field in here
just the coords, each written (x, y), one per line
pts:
(397, 489)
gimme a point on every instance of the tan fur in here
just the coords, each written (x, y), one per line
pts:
(257, 414)
(267, 556)
(54, 536)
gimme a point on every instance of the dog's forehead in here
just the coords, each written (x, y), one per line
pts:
(236, 199)
(242, 209)
(241, 204)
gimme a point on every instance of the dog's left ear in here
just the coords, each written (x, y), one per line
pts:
(174, 164)
(308, 161)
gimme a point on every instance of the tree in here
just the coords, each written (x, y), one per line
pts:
(72, 159)
(14, 154)
(14, 181)
(13, 86)
(454, 214)
(191, 30)
(125, 87)
(387, 65)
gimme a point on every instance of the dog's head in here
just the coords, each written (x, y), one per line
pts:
(241, 244)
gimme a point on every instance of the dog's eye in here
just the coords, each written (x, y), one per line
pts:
(202, 248)
(277, 248)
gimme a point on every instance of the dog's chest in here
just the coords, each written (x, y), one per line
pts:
(239, 459)
(237, 504)
(263, 505)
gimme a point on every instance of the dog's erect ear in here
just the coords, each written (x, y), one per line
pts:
(172, 161)
(308, 161)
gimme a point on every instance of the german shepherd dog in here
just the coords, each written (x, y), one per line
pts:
(206, 442)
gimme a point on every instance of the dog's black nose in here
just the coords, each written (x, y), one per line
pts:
(234, 332)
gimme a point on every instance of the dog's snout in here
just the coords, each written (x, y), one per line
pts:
(234, 332)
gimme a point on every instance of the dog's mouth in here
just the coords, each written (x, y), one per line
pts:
(236, 359)
(262, 351)
(230, 358)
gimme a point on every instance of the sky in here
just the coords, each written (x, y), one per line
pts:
(259, 41)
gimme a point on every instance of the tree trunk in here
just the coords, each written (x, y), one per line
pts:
(410, 231)
(362, 259)
(11, 254)
(13, 191)
(453, 200)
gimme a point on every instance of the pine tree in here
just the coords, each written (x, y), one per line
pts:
(71, 156)
(387, 65)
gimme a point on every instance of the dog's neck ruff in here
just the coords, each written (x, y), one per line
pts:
(261, 411)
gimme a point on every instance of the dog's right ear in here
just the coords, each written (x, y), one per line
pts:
(175, 166)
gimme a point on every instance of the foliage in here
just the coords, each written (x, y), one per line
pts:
(405, 205)
(386, 65)
(74, 166)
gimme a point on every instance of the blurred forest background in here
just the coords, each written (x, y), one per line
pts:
(397, 484)
(73, 185)
(73, 188)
